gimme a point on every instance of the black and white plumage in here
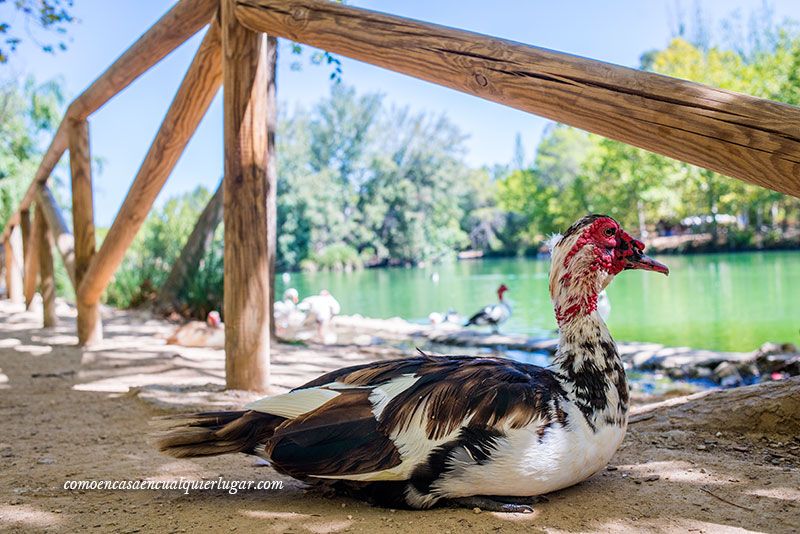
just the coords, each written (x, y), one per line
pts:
(477, 431)
(494, 314)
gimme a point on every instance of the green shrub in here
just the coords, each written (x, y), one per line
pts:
(337, 257)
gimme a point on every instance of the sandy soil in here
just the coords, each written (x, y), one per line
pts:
(67, 414)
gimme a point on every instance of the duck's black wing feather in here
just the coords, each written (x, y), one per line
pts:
(343, 436)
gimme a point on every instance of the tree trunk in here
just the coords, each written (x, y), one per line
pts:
(64, 240)
(196, 247)
(771, 407)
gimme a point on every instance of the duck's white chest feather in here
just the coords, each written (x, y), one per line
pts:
(523, 464)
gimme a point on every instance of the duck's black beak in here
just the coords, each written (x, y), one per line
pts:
(639, 260)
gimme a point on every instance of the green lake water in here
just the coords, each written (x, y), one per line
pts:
(727, 302)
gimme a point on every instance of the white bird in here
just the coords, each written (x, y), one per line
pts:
(321, 309)
(473, 431)
(287, 316)
(284, 307)
(450, 316)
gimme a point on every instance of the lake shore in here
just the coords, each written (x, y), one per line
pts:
(727, 369)
(74, 414)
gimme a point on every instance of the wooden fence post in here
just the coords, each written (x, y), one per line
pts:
(90, 329)
(272, 172)
(246, 190)
(3, 266)
(25, 227)
(57, 225)
(30, 247)
(44, 239)
(14, 265)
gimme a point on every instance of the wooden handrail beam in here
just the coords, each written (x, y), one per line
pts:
(185, 19)
(190, 104)
(749, 138)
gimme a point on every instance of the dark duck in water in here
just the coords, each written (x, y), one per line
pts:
(494, 314)
(473, 431)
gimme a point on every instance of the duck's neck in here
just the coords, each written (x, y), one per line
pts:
(590, 368)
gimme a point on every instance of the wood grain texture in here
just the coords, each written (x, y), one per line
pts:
(47, 286)
(194, 96)
(246, 192)
(30, 248)
(13, 247)
(748, 138)
(272, 171)
(185, 19)
(62, 236)
(80, 162)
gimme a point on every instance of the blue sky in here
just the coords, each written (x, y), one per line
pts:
(617, 31)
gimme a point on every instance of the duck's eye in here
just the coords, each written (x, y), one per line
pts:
(609, 232)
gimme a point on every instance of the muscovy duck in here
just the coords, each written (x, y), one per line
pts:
(209, 334)
(472, 431)
(494, 314)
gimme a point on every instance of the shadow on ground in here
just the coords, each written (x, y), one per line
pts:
(68, 415)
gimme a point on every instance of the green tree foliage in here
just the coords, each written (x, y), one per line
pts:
(575, 173)
(29, 116)
(361, 183)
(358, 183)
(156, 247)
(30, 113)
(46, 15)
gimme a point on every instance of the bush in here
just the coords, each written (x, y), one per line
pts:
(158, 244)
(337, 257)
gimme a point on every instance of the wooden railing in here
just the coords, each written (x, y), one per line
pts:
(748, 138)
(174, 28)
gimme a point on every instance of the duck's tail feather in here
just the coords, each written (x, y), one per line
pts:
(213, 433)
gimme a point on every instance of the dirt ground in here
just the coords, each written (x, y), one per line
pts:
(67, 414)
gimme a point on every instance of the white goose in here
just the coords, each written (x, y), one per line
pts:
(474, 431)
